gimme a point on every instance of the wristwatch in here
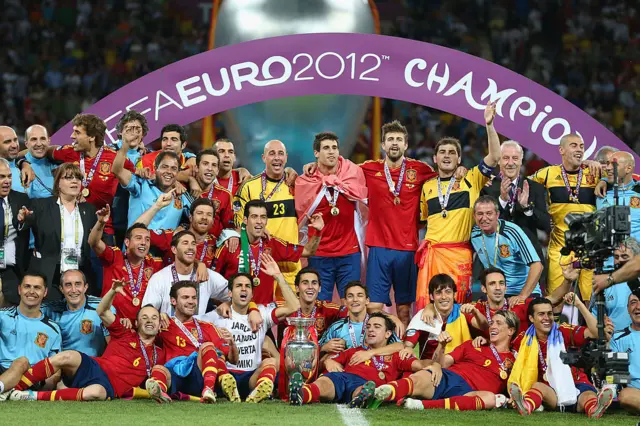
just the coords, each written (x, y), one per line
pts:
(610, 280)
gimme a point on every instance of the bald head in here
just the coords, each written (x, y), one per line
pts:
(36, 138)
(275, 159)
(9, 146)
(572, 151)
(626, 166)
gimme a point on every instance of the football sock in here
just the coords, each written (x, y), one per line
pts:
(209, 362)
(533, 398)
(310, 393)
(68, 394)
(590, 405)
(40, 372)
(267, 373)
(402, 388)
(160, 376)
(458, 403)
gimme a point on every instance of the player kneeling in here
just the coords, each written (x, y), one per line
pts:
(130, 358)
(472, 378)
(196, 351)
(354, 382)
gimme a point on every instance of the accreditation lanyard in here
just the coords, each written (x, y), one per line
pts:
(495, 251)
(76, 218)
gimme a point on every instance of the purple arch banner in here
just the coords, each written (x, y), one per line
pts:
(352, 64)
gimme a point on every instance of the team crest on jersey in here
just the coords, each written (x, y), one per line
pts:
(41, 340)
(194, 332)
(105, 168)
(456, 186)
(319, 324)
(508, 364)
(86, 326)
(387, 358)
(504, 251)
(177, 203)
(591, 179)
(412, 175)
(133, 344)
(237, 206)
(210, 250)
(216, 204)
(267, 250)
(634, 202)
(148, 272)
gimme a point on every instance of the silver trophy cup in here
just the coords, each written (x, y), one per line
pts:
(301, 353)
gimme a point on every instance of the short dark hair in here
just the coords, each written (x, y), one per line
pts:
(259, 204)
(322, 136)
(34, 274)
(178, 236)
(133, 227)
(488, 271)
(449, 141)
(388, 323)
(487, 199)
(84, 277)
(394, 127)
(201, 202)
(306, 270)
(93, 125)
(132, 115)
(535, 302)
(356, 283)
(440, 282)
(204, 152)
(173, 293)
(234, 277)
(148, 305)
(175, 128)
(227, 140)
(163, 155)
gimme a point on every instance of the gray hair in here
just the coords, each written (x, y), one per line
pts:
(601, 155)
(5, 162)
(30, 128)
(84, 277)
(511, 143)
(487, 199)
(633, 245)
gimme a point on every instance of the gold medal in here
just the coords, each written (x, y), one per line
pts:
(444, 213)
(256, 282)
(503, 375)
(335, 211)
(136, 301)
(381, 375)
(85, 192)
(396, 201)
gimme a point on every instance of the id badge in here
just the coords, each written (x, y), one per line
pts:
(69, 260)
(3, 261)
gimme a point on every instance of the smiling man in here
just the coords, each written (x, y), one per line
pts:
(10, 150)
(173, 139)
(628, 340)
(37, 140)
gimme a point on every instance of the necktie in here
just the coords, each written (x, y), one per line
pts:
(2, 224)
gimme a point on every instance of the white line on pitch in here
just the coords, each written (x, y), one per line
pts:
(352, 416)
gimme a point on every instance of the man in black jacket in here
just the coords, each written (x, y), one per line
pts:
(522, 201)
(14, 240)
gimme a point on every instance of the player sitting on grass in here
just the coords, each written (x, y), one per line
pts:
(540, 372)
(129, 359)
(349, 378)
(255, 376)
(196, 351)
(467, 378)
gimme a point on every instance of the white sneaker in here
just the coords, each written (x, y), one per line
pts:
(5, 395)
(412, 404)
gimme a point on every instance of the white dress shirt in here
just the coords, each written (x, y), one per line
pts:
(10, 240)
(70, 221)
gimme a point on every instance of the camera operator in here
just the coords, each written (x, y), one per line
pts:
(627, 274)
(628, 340)
(616, 296)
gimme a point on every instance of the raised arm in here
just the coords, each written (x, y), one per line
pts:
(95, 237)
(104, 307)
(292, 303)
(118, 169)
(589, 318)
(493, 158)
(316, 222)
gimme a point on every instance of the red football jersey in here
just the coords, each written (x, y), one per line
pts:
(395, 226)
(148, 161)
(104, 183)
(520, 310)
(568, 332)
(123, 361)
(326, 314)
(390, 365)
(224, 211)
(224, 182)
(113, 268)
(339, 235)
(175, 343)
(205, 250)
(480, 368)
(428, 346)
(227, 264)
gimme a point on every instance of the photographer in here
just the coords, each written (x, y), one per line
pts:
(630, 271)
(628, 340)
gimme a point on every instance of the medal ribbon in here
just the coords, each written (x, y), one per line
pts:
(263, 177)
(135, 286)
(487, 310)
(255, 265)
(313, 312)
(332, 200)
(395, 191)
(573, 193)
(146, 357)
(352, 333)
(230, 184)
(444, 200)
(498, 358)
(495, 251)
(194, 342)
(87, 178)
(204, 249)
(174, 272)
(541, 359)
(378, 363)
(213, 184)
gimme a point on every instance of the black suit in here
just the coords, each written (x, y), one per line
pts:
(12, 275)
(46, 224)
(540, 219)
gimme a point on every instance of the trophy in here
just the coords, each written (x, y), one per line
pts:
(301, 353)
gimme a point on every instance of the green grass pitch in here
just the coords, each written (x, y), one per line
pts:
(144, 412)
